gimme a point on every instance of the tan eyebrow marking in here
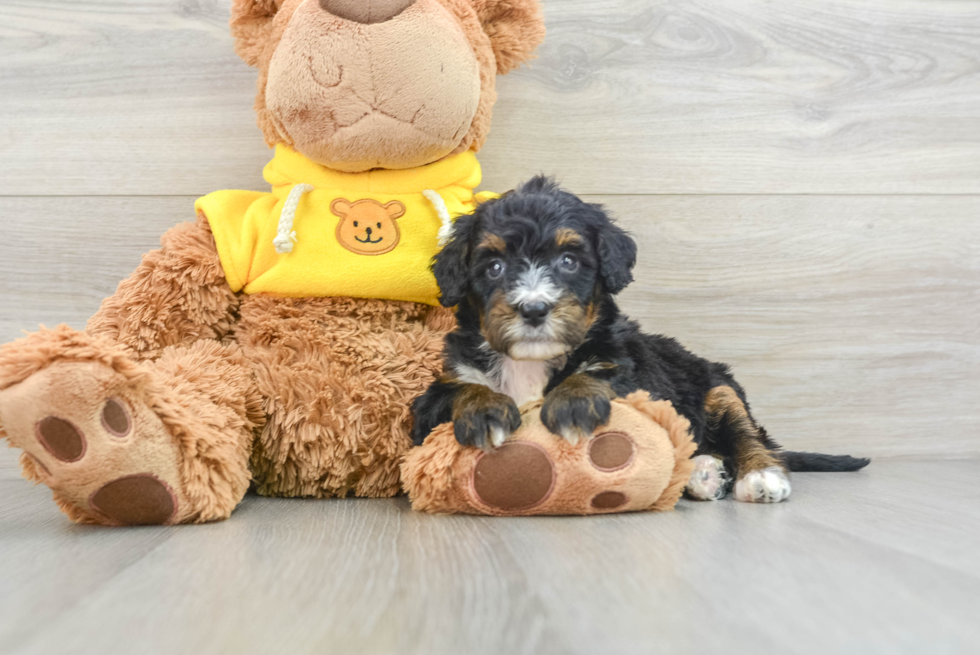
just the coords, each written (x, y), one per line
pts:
(493, 242)
(566, 236)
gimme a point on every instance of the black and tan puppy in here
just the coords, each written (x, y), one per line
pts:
(533, 275)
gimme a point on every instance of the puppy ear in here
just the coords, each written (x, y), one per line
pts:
(515, 28)
(451, 264)
(617, 255)
(251, 26)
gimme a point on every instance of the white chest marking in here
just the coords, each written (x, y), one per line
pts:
(522, 380)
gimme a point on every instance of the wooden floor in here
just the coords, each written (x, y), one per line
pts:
(881, 561)
(803, 179)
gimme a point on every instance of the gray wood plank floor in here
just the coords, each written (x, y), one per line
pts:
(881, 561)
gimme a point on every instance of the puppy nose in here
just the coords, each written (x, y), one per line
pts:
(369, 232)
(367, 12)
(534, 313)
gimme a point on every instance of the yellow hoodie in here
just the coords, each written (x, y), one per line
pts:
(325, 233)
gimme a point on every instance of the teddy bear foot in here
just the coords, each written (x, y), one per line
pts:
(88, 433)
(640, 460)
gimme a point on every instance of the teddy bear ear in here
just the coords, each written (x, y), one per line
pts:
(251, 26)
(515, 27)
(340, 207)
(395, 209)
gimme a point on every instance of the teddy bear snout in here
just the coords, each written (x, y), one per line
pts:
(367, 12)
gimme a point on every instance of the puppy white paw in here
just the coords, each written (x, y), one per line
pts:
(709, 479)
(770, 485)
(497, 436)
(574, 435)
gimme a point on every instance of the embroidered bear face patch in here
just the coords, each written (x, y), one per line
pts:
(367, 227)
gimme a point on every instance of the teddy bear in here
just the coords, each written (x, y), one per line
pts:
(278, 340)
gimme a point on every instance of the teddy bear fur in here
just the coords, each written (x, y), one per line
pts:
(294, 396)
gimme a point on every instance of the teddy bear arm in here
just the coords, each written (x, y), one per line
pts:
(176, 296)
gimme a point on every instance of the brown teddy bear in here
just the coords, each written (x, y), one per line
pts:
(281, 338)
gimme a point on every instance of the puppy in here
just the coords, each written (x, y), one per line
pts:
(533, 275)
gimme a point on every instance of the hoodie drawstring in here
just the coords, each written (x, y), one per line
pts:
(446, 230)
(285, 235)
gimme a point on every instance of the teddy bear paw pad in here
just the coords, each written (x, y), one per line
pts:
(140, 499)
(609, 500)
(611, 451)
(61, 438)
(517, 476)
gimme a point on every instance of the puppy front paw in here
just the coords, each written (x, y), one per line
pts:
(484, 418)
(577, 407)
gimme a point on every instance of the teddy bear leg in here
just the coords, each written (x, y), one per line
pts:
(121, 442)
(352, 368)
(640, 460)
(177, 296)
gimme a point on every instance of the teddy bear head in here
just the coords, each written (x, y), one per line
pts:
(356, 85)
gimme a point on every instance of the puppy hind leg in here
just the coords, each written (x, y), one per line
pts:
(760, 476)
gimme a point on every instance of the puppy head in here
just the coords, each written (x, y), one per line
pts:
(535, 264)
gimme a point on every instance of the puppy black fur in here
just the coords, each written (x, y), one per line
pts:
(533, 275)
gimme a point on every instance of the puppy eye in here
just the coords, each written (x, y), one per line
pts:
(568, 263)
(355, 223)
(379, 226)
(495, 269)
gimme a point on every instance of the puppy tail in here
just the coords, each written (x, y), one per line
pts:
(818, 462)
